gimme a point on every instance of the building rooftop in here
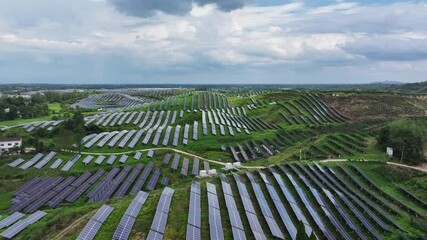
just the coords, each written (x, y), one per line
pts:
(10, 139)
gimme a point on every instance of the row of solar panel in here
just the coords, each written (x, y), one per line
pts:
(185, 165)
(37, 192)
(15, 226)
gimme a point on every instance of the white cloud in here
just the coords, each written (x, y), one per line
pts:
(293, 37)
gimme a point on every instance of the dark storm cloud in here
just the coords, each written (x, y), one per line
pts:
(146, 8)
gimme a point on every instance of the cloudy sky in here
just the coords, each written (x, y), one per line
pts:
(212, 41)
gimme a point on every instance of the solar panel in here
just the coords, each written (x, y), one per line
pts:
(16, 228)
(148, 136)
(136, 138)
(175, 162)
(280, 207)
(216, 231)
(195, 130)
(196, 163)
(175, 140)
(45, 160)
(70, 163)
(233, 213)
(80, 180)
(193, 233)
(111, 159)
(99, 159)
(88, 159)
(137, 155)
(31, 162)
(11, 219)
(116, 138)
(126, 223)
(126, 139)
(153, 181)
(249, 209)
(92, 227)
(167, 158)
(167, 136)
(144, 175)
(184, 168)
(16, 162)
(153, 235)
(150, 153)
(165, 181)
(162, 211)
(206, 166)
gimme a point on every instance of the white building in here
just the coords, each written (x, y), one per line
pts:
(7, 144)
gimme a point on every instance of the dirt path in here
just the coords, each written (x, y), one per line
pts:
(154, 149)
(422, 168)
(71, 227)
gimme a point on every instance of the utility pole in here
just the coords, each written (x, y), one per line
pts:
(401, 157)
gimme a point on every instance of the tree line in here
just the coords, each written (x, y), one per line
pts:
(18, 107)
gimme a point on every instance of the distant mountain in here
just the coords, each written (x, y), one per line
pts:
(419, 88)
(387, 83)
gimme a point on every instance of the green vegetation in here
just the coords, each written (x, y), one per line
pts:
(407, 137)
(320, 137)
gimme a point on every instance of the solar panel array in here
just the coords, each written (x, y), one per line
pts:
(165, 181)
(138, 155)
(254, 223)
(31, 162)
(150, 153)
(194, 213)
(346, 195)
(195, 170)
(16, 162)
(123, 158)
(88, 159)
(215, 225)
(95, 139)
(186, 134)
(195, 130)
(45, 160)
(315, 216)
(100, 159)
(126, 223)
(110, 185)
(111, 159)
(184, 168)
(161, 216)
(116, 138)
(92, 227)
(6, 222)
(233, 213)
(167, 158)
(175, 162)
(265, 209)
(292, 202)
(71, 162)
(144, 175)
(175, 140)
(154, 179)
(16, 228)
(328, 212)
(287, 221)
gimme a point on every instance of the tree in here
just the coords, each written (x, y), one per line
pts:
(406, 137)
